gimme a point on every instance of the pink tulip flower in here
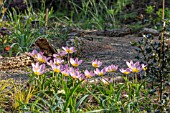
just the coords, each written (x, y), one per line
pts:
(57, 68)
(144, 67)
(74, 73)
(75, 62)
(69, 50)
(88, 74)
(100, 72)
(33, 53)
(135, 67)
(38, 69)
(41, 58)
(65, 72)
(96, 63)
(58, 61)
(125, 71)
(111, 68)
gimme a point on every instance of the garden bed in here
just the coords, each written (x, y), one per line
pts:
(110, 50)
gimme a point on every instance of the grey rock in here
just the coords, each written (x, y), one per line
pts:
(148, 31)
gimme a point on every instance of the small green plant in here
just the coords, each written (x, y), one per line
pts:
(2, 9)
(150, 10)
(5, 40)
(92, 15)
(159, 14)
(25, 29)
(156, 19)
(21, 95)
(22, 33)
(155, 52)
(5, 93)
(149, 52)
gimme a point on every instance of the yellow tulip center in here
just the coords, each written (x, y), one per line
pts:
(74, 64)
(95, 65)
(37, 73)
(126, 72)
(41, 60)
(135, 70)
(56, 70)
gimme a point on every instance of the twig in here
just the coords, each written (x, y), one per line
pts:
(162, 52)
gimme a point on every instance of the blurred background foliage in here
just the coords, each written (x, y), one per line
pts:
(100, 14)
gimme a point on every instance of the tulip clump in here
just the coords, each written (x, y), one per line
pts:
(70, 67)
